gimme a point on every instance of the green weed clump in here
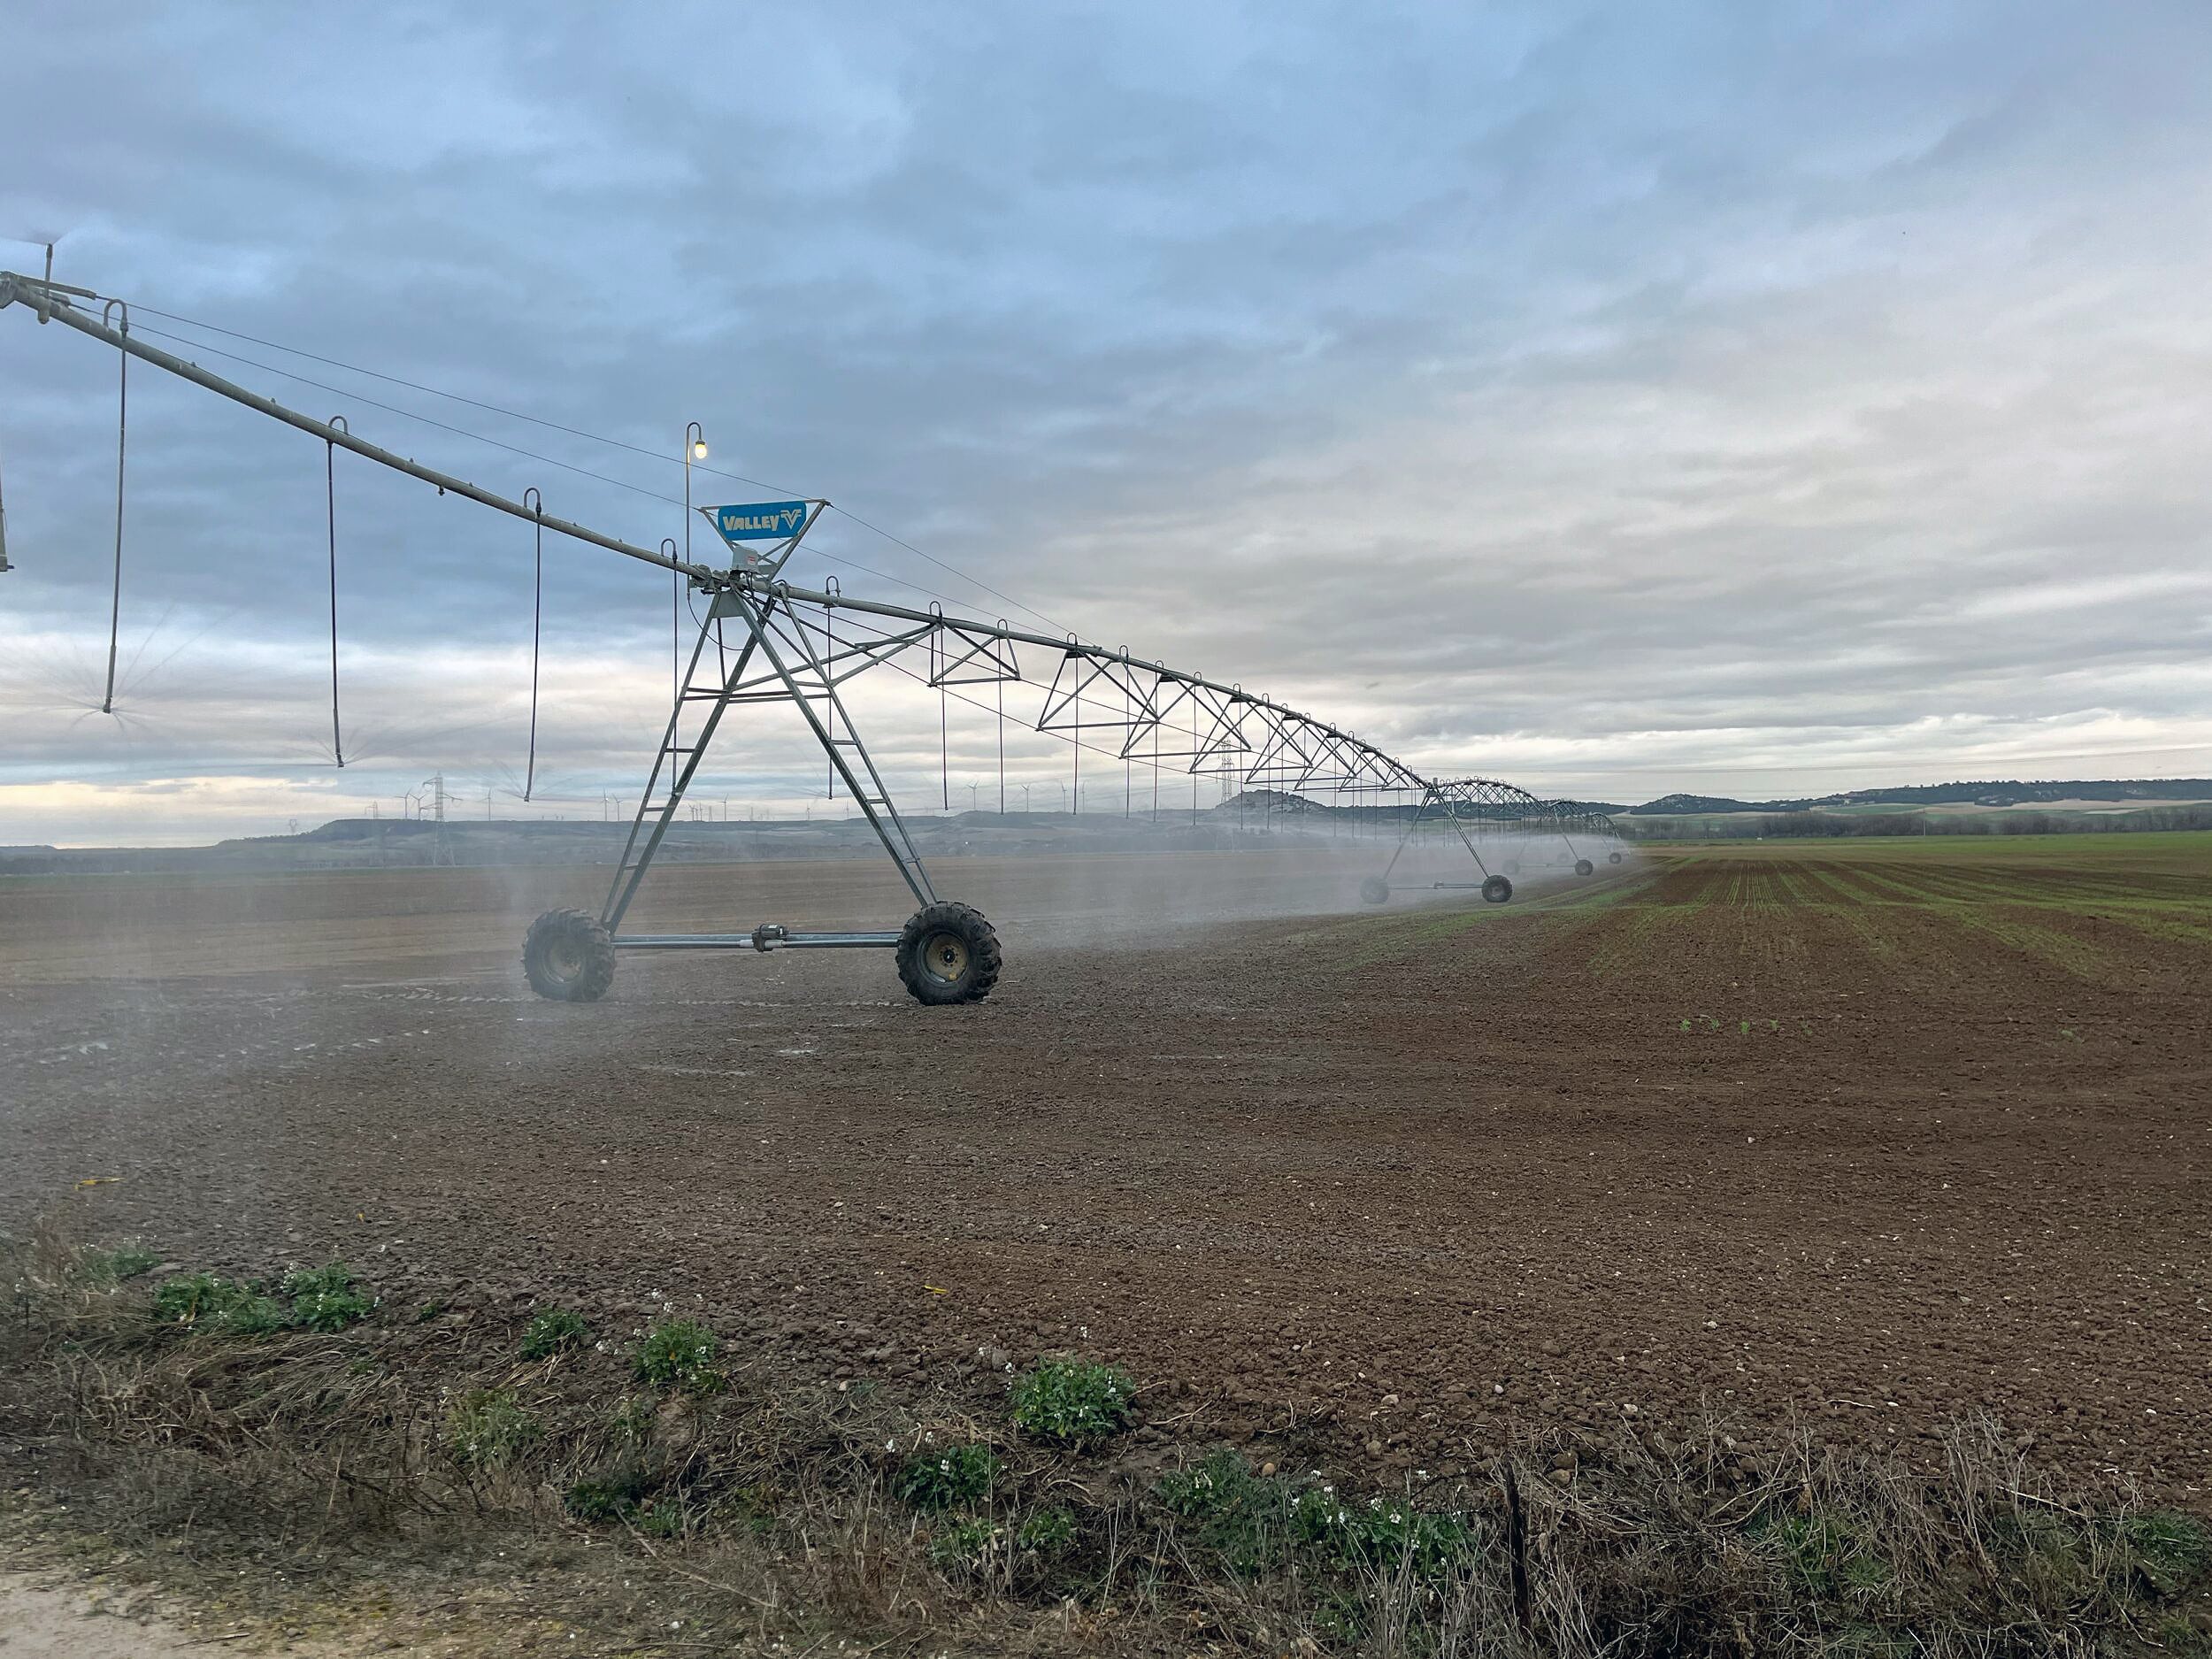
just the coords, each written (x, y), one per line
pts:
(1382, 1531)
(1046, 1531)
(964, 1546)
(662, 1519)
(611, 1497)
(182, 1301)
(324, 1299)
(1744, 1027)
(236, 1307)
(971, 1547)
(1072, 1401)
(252, 1314)
(2044, 1568)
(1234, 1515)
(752, 1509)
(552, 1331)
(2171, 1552)
(632, 1420)
(1828, 1558)
(1255, 1524)
(487, 1429)
(949, 1480)
(125, 1261)
(680, 1353)
(630, 1494)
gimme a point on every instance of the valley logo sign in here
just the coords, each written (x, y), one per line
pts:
(760, 520)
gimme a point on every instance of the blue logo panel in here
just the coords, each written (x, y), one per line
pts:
(760, 520)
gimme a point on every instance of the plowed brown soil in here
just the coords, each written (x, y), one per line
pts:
(1861, 1137)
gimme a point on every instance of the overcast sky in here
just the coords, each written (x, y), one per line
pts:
(1747, 399)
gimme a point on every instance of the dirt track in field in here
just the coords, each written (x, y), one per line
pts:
(1934, 1139)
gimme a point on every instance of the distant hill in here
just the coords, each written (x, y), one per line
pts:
(1999, 793)
(1672, 805)
(1282, 801)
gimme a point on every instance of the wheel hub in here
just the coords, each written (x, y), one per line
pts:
(945, 956)
(565, 958)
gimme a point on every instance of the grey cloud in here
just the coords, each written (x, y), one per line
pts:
(1587, 392)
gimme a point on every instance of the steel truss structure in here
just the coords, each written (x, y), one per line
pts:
(1575, 817)
(763, 640)
(1482, 811)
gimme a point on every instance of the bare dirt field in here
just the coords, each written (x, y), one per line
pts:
(1863, 1136)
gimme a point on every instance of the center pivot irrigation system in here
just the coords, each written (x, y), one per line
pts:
(764, 641)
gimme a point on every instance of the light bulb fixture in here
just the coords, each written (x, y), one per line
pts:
(698, 449)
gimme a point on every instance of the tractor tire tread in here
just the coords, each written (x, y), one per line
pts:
(598, 950)
(984, 958)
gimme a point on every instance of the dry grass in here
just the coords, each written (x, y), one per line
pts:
(768, 1509)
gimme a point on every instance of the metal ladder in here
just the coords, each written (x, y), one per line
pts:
(812, 682)
(805, 684)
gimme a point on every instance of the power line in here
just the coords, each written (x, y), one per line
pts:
(409, 414)
(433, 391)
(941, 564)
(555, 425)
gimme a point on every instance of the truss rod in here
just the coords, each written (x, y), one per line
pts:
(1233, 695)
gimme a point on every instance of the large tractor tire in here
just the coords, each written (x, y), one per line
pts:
(1583, 867)
(569, 957)
(947, 953)
(1497, 889)
(1374, 890)
(1612, 858)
